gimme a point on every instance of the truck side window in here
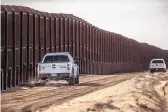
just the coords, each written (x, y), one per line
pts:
(56, 58)
(157, 61)
(64, 58)
(48, 59)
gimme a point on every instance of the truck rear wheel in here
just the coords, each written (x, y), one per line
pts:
(42, 78)
(164, 70)
(77, 80)
(71, 81)
(151, 71)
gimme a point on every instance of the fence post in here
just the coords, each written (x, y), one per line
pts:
(18, 74)
(31, 72)
(9, 78)
(25, 76)
(2, 80)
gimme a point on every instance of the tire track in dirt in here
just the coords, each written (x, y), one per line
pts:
(34, 91)
(45, 98)
(61, 99)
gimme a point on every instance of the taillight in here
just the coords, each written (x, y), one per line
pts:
(38, 67)
(68, 66)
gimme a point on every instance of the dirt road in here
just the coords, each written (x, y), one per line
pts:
(31, 99)
(143, 93)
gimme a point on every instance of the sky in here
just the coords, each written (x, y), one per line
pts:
(142, 20)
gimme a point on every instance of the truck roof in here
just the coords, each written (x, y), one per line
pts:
(158, 59)
(58, 53)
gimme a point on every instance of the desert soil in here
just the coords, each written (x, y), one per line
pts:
(144, 93)
(56, 92)
(129, 92)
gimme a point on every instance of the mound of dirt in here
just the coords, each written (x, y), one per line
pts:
(144, 93)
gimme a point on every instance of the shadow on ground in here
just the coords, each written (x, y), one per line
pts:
(57, 84)
(101, 106)
(66, 84)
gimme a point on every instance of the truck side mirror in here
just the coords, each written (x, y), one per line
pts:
(76, 62)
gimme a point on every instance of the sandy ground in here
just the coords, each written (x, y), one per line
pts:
(143, 93)
(55, 93)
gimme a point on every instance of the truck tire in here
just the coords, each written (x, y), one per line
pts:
(77, 80)
(164, 70)
(151, 71)
(43, 78)
(71, 81)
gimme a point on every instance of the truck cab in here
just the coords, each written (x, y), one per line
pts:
(59, 66)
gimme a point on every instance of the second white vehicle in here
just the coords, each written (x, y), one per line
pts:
(157, 65)
(59, 66)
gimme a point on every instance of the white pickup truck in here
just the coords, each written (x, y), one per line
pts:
(59, 66)
(157, 65)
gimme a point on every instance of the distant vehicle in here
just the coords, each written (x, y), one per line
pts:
(59, 66)
(157, 65)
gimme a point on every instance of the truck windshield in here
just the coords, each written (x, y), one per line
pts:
(56, 59)
(157, 61)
